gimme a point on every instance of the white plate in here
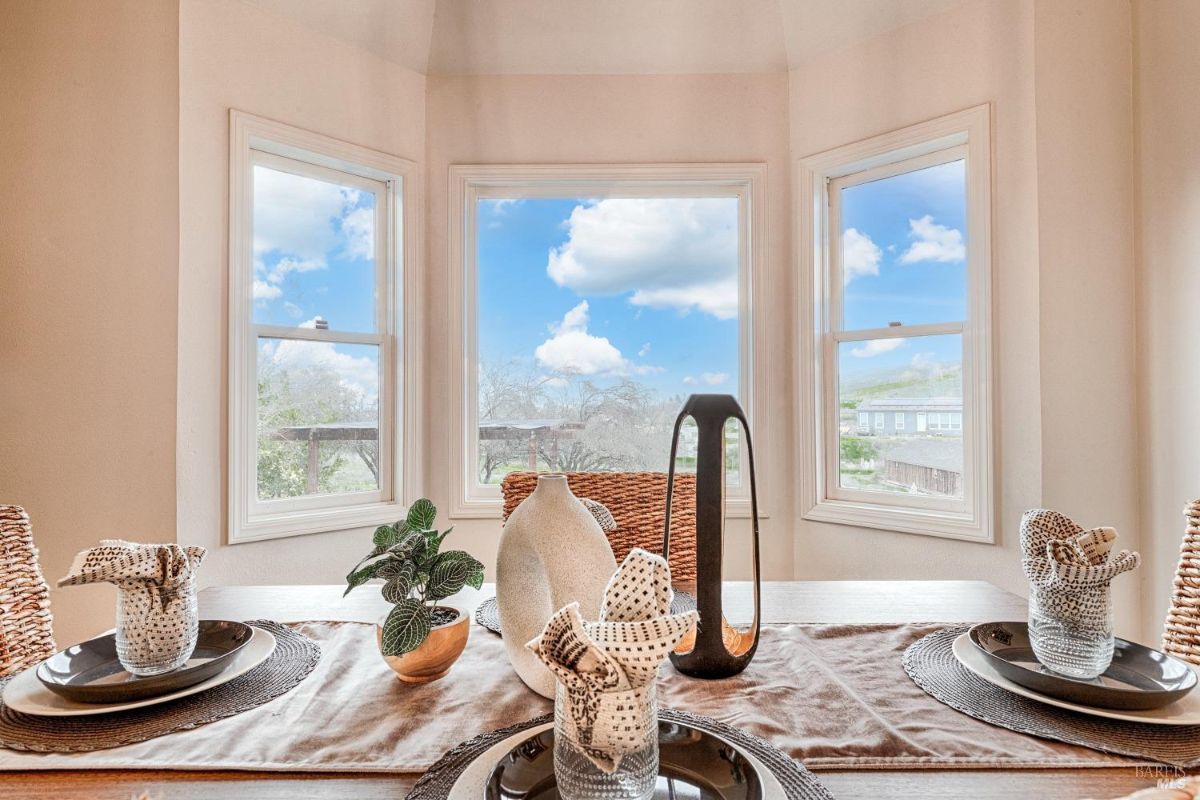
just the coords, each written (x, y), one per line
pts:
(1185, 711)
(26, 694)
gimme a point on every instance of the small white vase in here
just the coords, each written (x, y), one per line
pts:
(552, 553)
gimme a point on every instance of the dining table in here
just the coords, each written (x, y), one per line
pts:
(782, 602)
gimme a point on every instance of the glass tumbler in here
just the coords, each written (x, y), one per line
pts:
(157, 627)
(1072, 634)
(633, 716)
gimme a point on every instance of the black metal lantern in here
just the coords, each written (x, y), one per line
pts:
(718, 651)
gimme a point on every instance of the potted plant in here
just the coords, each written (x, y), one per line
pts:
(418, 638)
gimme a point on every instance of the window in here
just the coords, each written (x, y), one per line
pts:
(895, 241)
(864, 420)
(879, 420)
(315, 349)
(594, 301)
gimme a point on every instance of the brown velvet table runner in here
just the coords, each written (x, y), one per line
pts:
(832, 696)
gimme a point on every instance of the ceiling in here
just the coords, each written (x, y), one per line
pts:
(540, 37)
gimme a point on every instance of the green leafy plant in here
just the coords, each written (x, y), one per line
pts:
(415, 574)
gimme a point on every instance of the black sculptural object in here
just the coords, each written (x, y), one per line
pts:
(710, 656)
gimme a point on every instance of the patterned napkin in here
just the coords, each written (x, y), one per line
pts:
(608, 668)
(156, 583)
(1067, 565)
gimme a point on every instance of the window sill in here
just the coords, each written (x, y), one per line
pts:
(735, 508)
(901, 520)
(325, 520)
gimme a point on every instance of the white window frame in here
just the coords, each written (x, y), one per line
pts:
(470, 183)
(864, 420)
(880, 423)
(964, 134)
(898, 422)
(255, 140)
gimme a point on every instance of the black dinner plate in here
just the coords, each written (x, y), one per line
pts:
(90, 672)
(1138, 679)
(693, 764)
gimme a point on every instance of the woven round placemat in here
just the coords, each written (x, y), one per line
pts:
(294, 657)
(487, 613)
(797, 782)
(930, 662)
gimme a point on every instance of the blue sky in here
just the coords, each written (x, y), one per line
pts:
(604, 289)
(617, 287)
(904, 254)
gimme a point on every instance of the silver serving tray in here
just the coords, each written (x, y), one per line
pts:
(90, 672)
(693, 764)
(1138, 679)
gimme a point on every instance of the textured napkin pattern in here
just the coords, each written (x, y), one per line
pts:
(1070, 568)
(608, 668)
(157, 591)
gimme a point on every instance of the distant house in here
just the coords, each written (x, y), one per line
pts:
(901, 416)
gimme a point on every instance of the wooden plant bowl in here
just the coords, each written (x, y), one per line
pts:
(436, 654)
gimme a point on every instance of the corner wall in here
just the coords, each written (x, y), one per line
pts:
(1167, 74)
(89, 236)
(232, 55)
(618, 119)
(980, 52)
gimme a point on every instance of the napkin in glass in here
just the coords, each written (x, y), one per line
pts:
(157, 619)
(609, 666)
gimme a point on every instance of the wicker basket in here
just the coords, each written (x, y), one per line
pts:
(638, 502)
(1181, 636)
(25, 632)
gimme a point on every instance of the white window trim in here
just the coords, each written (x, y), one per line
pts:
(971, 130)
(898, 421)
(470, 182)
(247, 522)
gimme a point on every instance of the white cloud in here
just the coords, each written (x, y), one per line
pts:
(358, 373)
(574, 351)
(876, 347)
(265, 291)
(860, 255)
(293, 310)
(714, 378)
(286, 265)
(933, 242)
(689, 380)
(358, 226)
(678, 253)
(498, 205)
(644, 351)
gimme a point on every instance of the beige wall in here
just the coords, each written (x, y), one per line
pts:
(232, 55)
(1167, 74)
(1086, 243)
(979, 53)
(88, 242)
(618, 119)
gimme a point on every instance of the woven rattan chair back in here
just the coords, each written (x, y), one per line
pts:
(25, 632)
(1181, 636)
(638, 503)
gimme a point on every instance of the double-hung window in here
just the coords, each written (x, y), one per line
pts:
(895, 243)
(316, 264)
(594, 300)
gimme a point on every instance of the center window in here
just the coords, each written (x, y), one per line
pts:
(594, 310)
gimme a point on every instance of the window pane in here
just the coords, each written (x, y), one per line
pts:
(318, 418)
(596, 319)
(901, 412)
(314, 252)
(904, 248)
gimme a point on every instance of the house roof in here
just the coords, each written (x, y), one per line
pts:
(935, 451)
(911, 404)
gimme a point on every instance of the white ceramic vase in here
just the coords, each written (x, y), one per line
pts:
(552, 553)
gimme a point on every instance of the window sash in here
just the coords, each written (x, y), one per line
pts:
(469, 184)
(255, 141)
(962, 135)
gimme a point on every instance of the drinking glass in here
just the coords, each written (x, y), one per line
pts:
(578, 774)
(157, 627)
(1072, 634)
